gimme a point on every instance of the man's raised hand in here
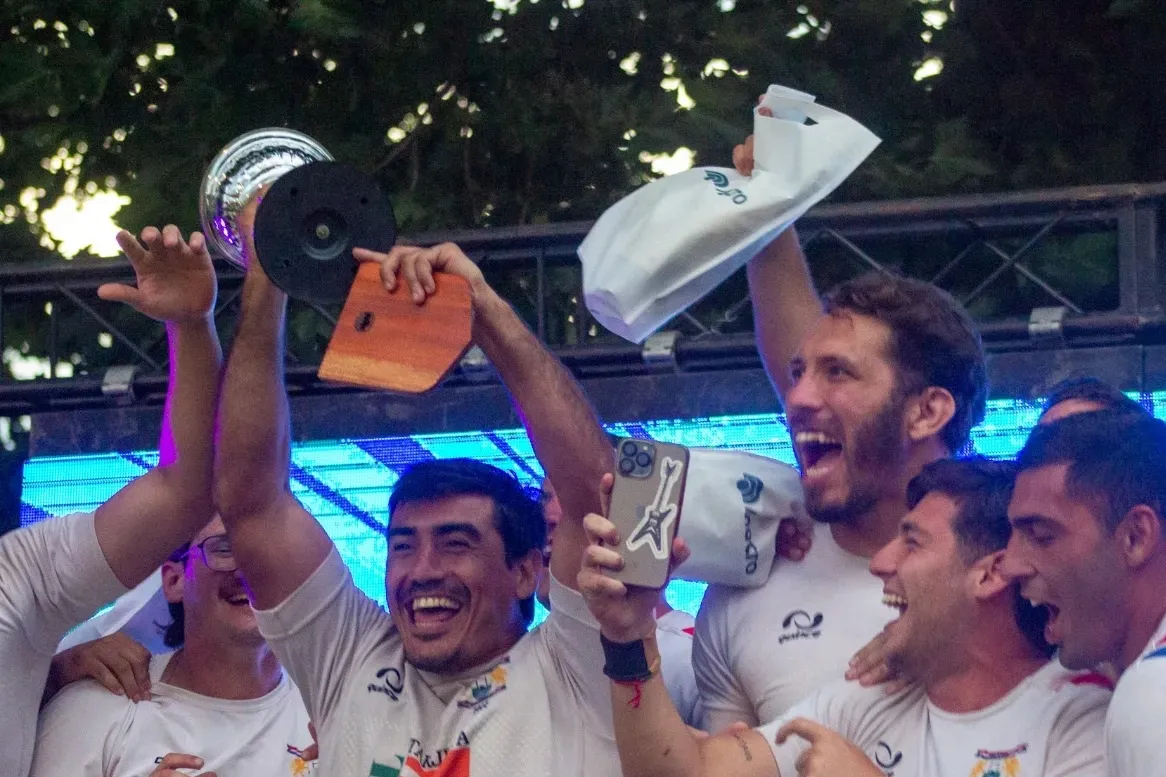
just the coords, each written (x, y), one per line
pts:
(175, 278)
(416, 266)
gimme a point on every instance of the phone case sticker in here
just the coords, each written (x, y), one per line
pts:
(659, 516)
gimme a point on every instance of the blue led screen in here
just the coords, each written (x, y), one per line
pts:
(346, 483)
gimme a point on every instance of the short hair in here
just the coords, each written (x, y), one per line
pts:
(1117, 460)
(981, 489)
(1090, 389)
(174, 634)
(518, 513)
(933, 342)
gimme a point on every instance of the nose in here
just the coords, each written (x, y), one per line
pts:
(885, 562)
(803, 398)
(1013, 564)
(427, 564)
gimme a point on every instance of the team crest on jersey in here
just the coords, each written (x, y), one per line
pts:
(447, 762)
(486, 687)
(999, 763)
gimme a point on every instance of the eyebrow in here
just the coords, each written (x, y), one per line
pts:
(1029, 519)
(910, 527)
(443, 530)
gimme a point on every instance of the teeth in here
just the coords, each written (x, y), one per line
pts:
(434, 603)
(896, 601)
(802, 438)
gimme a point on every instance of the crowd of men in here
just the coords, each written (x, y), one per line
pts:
(952, 615)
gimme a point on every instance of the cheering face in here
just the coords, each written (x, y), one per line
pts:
(212, 591)
(1067, 562)
(451, 594)
(925, 580)
(846, 417)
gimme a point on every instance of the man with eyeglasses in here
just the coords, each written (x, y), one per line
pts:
(55, 573)
(219, 703)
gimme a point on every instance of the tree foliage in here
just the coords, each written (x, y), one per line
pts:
(518, 112)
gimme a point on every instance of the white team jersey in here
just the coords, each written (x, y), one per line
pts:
(1135, 738)
(1048, 726)
(86, 731)
(759, 651)
(53, 575)
(542, 709)
(674, 631)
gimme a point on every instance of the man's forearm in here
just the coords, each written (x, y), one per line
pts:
(562, 425)
(785, 305)
(652, 739)
(252, 456)
(143, 523)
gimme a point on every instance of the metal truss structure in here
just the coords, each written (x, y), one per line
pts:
(1049, 275)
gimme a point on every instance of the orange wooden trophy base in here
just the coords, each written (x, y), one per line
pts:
(386, 340)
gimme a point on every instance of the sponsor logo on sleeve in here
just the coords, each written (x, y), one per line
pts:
(750, 487)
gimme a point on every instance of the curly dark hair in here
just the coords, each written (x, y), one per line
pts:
(933, 342)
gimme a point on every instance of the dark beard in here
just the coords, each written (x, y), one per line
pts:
(877, 451)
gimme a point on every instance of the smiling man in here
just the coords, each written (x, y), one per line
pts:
(881, 378)
(987, 701)
(219, 703)
(448, 682)
(1088, 546)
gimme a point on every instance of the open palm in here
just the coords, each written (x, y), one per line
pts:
(175, 279)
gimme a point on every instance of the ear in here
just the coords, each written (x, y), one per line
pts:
(173, 580)
(526, 571)
(1138, 535)
(928, 412)
(987, 577)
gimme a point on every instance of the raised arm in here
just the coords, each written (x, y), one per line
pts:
(785, 303)
(278, 544)
(652, 739)
(140, 525)
(563, 428)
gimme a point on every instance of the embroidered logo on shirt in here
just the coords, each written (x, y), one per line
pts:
(483, 689)
(799, 624)
(721, 184)
(389, 683)
(999, 763)
(887, 757)
(300, 767)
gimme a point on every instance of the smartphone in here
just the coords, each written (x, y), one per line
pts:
(646, 499)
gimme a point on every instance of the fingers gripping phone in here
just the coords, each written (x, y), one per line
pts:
(646, 499)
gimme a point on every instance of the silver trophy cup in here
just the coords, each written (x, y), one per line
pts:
(245, 165)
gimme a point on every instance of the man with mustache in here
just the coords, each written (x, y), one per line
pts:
(56, 572)
(448, 682)
(881, 377)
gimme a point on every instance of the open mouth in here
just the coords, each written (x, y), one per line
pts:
(896, 602)
(817, 452)
(1052, 613)
(432, 610)
(237, 600)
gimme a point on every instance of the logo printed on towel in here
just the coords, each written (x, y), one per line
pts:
(390, 683)
(804, 625)
(750, 487)
(721, 183)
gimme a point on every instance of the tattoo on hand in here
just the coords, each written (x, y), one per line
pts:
(744, 745)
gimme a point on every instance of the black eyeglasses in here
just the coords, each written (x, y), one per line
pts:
(216, 553)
